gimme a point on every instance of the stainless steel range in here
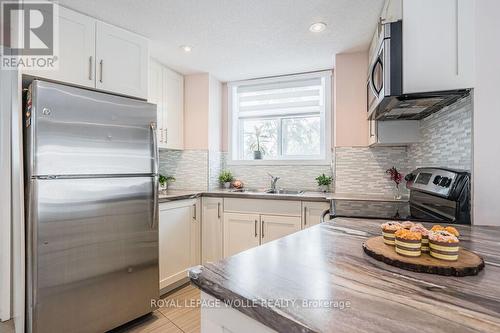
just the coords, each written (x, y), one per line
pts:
(438, 195)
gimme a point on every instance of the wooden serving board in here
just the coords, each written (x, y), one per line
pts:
(468, 262)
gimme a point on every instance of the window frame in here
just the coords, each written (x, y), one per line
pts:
(326, 121)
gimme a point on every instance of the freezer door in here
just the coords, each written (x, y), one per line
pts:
(94, 260)
(82, 132)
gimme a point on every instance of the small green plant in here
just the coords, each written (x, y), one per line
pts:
(324, 180)
(165, 180)
(225, 177)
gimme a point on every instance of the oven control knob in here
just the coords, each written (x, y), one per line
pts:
(437, 179)
(443, 181)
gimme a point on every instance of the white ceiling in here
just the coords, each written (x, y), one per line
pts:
(240, 39)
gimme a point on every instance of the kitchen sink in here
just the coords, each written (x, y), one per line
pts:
(269, 191)
(285, 191)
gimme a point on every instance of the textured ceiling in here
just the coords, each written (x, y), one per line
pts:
(240, 39)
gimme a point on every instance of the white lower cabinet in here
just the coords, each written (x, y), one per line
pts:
(211, 230)
(180, 239)
(252, 222)
(273, 227)
(241, 232)
(312, 212)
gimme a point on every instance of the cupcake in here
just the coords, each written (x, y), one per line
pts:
(408, 243)
(407, 224)
(388, 230)
(443, 245)
(425, 236)
(452, 231)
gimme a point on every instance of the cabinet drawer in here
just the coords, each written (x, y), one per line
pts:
(260, 206)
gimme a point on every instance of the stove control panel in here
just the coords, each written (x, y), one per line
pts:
(435, 181)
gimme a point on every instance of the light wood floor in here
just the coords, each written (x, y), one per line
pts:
(7, 327)
(179, 314)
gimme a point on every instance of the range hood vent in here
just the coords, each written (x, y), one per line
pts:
(415, 106)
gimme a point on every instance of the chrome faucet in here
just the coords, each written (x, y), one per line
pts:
(274, 180)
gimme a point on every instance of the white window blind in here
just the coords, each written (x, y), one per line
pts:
(285, 118)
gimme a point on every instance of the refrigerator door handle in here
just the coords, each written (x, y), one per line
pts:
(155, 172)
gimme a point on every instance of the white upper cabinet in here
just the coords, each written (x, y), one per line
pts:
(122, 61)
(438, 45)
(156, 96)
(76, 60)
(166, 90)
(174, 100)
(98, 55)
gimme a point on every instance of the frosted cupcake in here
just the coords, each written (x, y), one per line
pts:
(407, 224)
(451, 230)
(443, 245)
(388, 230)
(408, 243)
(425, 236)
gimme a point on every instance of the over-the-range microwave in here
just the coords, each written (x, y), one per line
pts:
(386, 99)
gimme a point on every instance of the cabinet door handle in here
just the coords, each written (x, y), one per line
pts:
(101, 65)
(262, 228)
(255, 228)
(218, 210)
(90, 68)
(194, 211)
(305, 215)
(166, 135)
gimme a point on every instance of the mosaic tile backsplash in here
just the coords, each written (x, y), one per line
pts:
(446, 138)
(446, 141)
(362, 169)
(291, 176)
(189, 167)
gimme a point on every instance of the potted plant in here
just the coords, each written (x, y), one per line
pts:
(397, 178)
(165, 181)
(256, 146)
(324, 182)
(225, 178)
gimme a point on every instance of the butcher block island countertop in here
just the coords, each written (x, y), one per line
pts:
(327, 263)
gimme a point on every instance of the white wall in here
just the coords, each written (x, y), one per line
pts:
(486, 121)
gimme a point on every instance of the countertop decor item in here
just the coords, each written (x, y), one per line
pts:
(255, 141)
(237, 184)
(164, 181)
(324, 182)
(397, 178)
(225, 178)
(468, 262)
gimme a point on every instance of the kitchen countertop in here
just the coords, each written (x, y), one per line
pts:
(327, 262)
(172, 195)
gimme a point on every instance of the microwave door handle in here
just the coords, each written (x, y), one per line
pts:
(371, 84)
(376, 91)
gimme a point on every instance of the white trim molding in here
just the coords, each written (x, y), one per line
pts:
(6, 95)
(326, 121)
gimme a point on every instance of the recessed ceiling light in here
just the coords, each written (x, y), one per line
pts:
(186, 48)
(317, 27)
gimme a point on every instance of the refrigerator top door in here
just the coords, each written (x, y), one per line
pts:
(78, 132)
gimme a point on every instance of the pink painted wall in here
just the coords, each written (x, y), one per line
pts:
(196, 111)
(349, 100)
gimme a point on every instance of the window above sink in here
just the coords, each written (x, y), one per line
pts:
(281, 120)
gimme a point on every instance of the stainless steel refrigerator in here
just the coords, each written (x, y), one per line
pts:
(91, 209)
